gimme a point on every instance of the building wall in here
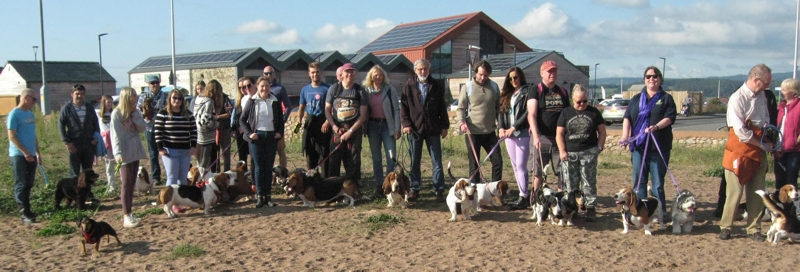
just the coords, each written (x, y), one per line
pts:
(294, 80)
(7, 103)
(183, 78)
(460, 43)
(12, 84)
(226, 76)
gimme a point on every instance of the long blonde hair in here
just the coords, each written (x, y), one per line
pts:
(124, 105)
(183, 111)
(368, 84)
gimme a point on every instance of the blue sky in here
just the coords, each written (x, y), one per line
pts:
(698, 38)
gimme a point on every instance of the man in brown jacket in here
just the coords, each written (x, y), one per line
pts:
(423, 115)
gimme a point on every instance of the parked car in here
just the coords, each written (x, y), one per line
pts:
(615, 110)
(603, 104)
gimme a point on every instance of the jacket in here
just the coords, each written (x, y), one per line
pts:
(428, 118)
(249, 117)
(390, 102)
(520, 121)
(71, 129)
(125, 140)
(791, 126)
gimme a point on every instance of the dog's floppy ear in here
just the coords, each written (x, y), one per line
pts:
(632, 201)
(82, 180)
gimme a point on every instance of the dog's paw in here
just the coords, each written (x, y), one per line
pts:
(624, 232)
(647, 232)
(451, 220)
(569, 223)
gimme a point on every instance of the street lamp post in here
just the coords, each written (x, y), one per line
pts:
(35, 49)
(515, 54)
(595, 81)
(100, 45)
(663, 68)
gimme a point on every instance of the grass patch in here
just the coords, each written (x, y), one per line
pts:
(186, 251)
(609, 165)
(716, 171)
(149, 211)
(381, 221)
(769, 183)
(54, 229)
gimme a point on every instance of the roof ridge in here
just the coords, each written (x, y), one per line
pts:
(464, 16)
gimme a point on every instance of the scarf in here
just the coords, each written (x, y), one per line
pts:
(643, 118)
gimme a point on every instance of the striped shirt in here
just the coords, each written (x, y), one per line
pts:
(178, 132)
(81, 111)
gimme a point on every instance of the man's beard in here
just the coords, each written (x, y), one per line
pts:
(422, 79)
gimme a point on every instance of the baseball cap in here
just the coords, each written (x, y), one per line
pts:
(152, 78)
(548, 65)
(348, 66)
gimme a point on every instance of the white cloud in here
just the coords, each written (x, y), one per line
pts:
(351, 37)
(625, 3)
(545, 21)
(288, 37)
(258, 26)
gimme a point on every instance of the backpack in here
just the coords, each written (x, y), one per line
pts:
(204, 117)
(346, 109)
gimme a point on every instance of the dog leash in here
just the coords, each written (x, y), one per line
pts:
(326, 157)
(477, 160)
(644, 160)
(46, 180)
(494, 148)
(217, 160)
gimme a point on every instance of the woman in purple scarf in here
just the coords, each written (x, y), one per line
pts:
(652, 110)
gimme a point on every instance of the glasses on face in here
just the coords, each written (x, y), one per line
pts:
(650, 76)
(177, 98)
(269, 73)
(581, 102)
(246, 86)
(34, 99)
(514, 78)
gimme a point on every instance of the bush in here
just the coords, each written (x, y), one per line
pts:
(715, 106)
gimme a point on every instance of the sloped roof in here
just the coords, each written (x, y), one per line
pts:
(61, 71)
(393, 60)
(288, 57)
(212, 59)
(359, 60)
(326, 58)
(433, 33)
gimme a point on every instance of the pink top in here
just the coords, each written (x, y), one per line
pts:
(789, 126)
(376, 106)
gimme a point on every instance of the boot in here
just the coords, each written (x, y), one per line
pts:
(268, 201)
(591, 215)
(522, 203)
(260, 201)
(26, 214)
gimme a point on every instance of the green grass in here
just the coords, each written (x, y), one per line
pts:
(149, 211)
(381, 221)
(185, 251)
(716, 171)
(54, 229)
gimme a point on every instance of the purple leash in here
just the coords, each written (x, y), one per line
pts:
(644, 158)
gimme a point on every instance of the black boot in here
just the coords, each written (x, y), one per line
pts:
(260, 201)
(268, 201)
(591, 214)
(521, 204)
(26, 214)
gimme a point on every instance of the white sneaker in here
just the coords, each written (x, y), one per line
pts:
(110, 190)
(130, 221)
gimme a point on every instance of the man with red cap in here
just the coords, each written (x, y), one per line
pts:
(346, 110)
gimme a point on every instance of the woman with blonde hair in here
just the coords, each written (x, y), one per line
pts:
(127, 124)
(104, 115)
(383, 127)
(787, 161)
(176, 137)
(262, 125)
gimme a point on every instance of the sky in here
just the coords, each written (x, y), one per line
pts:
(697, 38)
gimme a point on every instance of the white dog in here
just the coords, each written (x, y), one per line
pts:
(491, 193)
(462, 193)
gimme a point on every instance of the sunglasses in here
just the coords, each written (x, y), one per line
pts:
(177, 98)
(651, 76)
(514, 78)
(34, 99)
(582, 102)
(269, 73)
(247, 86)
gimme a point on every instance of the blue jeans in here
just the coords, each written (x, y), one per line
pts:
(786, 169)
(434, 143)
(152, 148)
(24, 174)
(263, 152)
(378, 132)
(177, 164)
(656, 168)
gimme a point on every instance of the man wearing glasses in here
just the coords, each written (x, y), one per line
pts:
(745, 157)
(159, 102)
(23, 150)
(280, 92)
(78, 124)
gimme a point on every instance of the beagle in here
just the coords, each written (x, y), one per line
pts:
(491, 193)
(785, 224)
(396, 187)
(639, 212)
(193, 177)
(202, 195)
(462, 195)
(313, 189)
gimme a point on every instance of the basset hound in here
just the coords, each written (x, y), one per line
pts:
(639, 212)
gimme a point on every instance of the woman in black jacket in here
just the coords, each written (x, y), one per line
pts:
(262, 126)
(513, 122)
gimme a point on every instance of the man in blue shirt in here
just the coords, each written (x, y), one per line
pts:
(23, 150)
(280, 92)
(317, 135)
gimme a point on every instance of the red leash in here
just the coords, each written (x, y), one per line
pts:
(477, 161)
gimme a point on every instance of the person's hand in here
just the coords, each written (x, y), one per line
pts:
(94, 142)
(777, 154)
(71, 148)
(444, 133)
(623, 141)
(192, 151)
(536, 142)
(407, 130)
(296, 128)
(325, 127)
(464, 127)
(346, 135)
(397, 135)
(651, 129)
(164, 152)
(39, 159)
(253, 136)
(336, 130)
(119, 160)
(563, 155)
(278, 135)
(29, 157)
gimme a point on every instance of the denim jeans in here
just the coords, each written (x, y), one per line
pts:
(176, 164)
(152, 149)
(263, 152)
(24, 174)
(82, 159)
(434, 144)
(378, 133)
(656, 168)
(786, 169)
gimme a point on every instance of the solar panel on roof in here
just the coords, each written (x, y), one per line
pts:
(190, 59)
(410, 36)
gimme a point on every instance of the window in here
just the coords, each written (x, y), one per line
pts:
(442, 60)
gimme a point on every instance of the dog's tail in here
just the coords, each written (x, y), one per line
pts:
(771, 204)
(449, 171)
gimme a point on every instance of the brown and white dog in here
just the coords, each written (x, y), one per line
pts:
(491, 193)
(462, 197)
(194, 175)
(396, 187)
(313, 189)
(639, 212)
(785, 223)
(143, 182)
(239, 185)
(786, 195)
(202, 195)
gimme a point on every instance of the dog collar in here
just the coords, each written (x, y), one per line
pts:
(202, 184)
(87, 236)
